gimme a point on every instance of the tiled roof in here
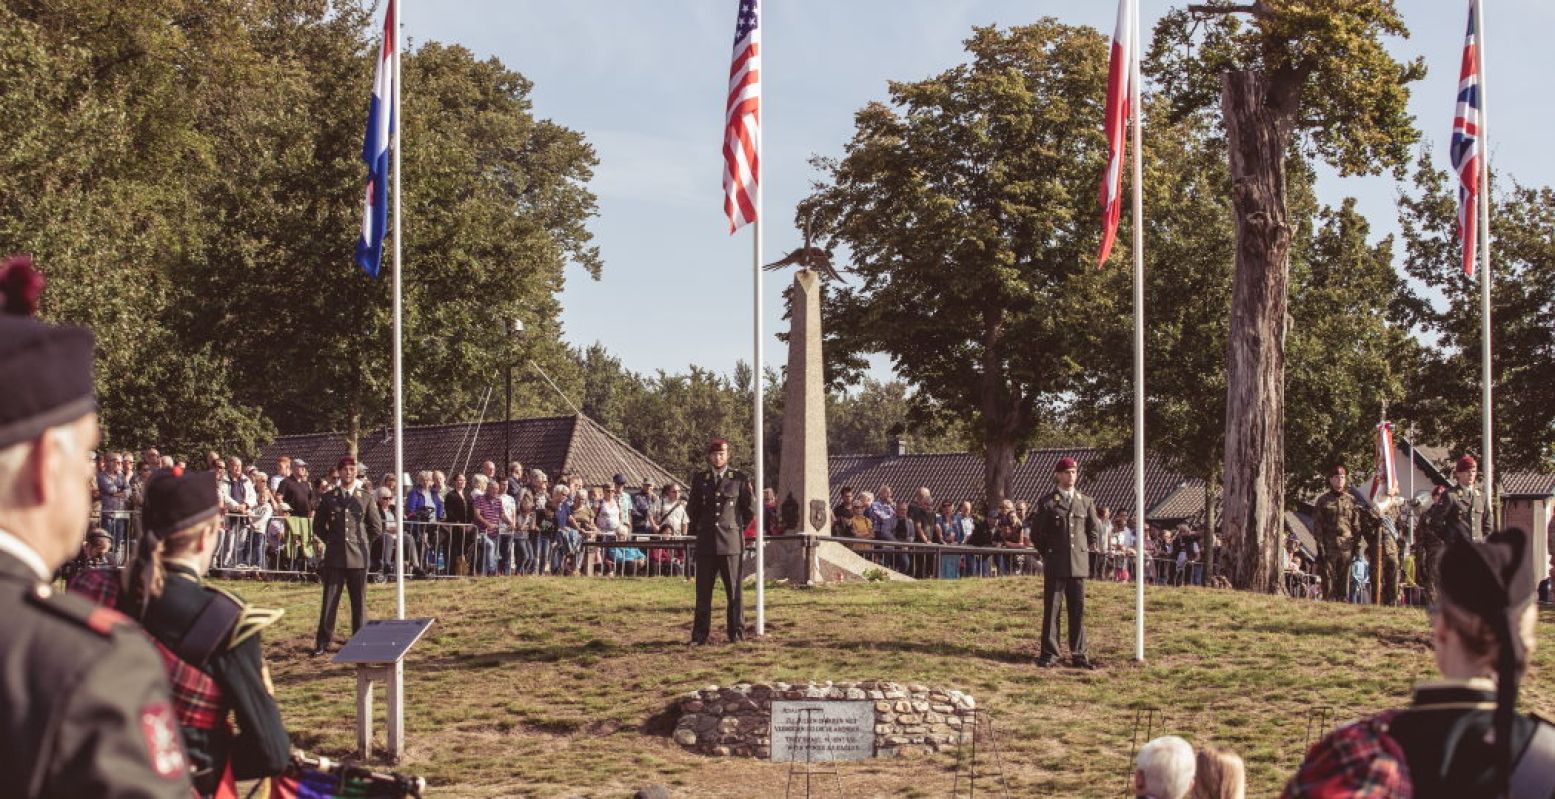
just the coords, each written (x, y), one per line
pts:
(1299, 524)
(1184, 504)
(959, 476)
(1527, 484)
(553, 444)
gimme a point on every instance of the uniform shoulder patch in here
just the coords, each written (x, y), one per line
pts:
(163, 745)
(252, 622)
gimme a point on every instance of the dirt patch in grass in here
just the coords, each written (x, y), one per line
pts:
(564, 687)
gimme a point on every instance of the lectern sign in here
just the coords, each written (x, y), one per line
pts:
(383, 641)
(822, 730)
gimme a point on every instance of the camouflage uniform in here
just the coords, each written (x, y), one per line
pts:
(1381, 537)
(1338, 520)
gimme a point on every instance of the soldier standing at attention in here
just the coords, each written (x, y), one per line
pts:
(1065, 528)
(720, 507)
(346, 520)
(1463, 511)
(209, 638)
(1338, 519)
(84, 704)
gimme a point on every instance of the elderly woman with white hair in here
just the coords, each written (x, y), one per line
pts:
(1163, 769)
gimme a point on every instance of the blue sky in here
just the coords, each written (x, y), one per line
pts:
(644, 80)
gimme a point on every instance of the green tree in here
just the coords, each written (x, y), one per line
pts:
(967, 203)
(1313, 69)
(1443, 397)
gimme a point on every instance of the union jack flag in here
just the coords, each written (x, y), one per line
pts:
(742, 120)
(1465, 142)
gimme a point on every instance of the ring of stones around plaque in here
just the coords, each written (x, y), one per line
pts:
(910, 719)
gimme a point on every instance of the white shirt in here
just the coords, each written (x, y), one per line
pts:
(20, 550)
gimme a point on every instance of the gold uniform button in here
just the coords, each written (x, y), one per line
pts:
(43, 591)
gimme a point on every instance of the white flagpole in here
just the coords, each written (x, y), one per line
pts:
(760, 439)
(1138, 246)
(1483, 210)
(399, 377)
(396, 709)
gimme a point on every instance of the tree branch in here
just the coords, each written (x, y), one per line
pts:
(1256, 8)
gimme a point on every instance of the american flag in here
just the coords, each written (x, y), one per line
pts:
(1465, 141)
(1116, 126)
(742, 120)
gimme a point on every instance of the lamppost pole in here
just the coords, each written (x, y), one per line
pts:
(517, 327)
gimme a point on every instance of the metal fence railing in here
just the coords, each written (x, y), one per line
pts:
(277, 546)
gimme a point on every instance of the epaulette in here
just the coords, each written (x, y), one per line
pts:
(97, 618)
(251, 620)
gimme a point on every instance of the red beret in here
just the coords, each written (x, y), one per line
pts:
(1466, 463)
(1065, 464)
(346, 461)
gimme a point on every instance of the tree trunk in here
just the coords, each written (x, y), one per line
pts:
(1258, 114)
(998, 466)
(354, 432)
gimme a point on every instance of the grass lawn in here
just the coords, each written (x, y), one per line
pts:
(562, 687)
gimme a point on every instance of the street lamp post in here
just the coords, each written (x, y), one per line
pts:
(515, 328)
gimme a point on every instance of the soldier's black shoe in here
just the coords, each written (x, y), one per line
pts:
(1047, 662)
(697, 642)
(1083, 662)
(319, 651)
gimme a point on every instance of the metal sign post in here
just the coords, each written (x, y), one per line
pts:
(378, 651)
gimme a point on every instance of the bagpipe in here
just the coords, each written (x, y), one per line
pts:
(310, 777)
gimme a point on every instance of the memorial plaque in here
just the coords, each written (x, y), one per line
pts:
(833, 730)
(383, 641)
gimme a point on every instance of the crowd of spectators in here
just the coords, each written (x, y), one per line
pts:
(1174, 555)
(479, 524)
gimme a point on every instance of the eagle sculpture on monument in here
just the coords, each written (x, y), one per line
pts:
(807, 257)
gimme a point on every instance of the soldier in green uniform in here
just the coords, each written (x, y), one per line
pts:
(209, 638)
(1066, 529)
(347, 521)
(1462, 735)
(1460, 511)
(1381, 536)
(720, 507)
(1338, 518)
(85, 709)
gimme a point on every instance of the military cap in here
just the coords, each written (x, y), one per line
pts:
(176, 500)
(1466, 463)
(47, 373)
(1065, 464)
(344, 462)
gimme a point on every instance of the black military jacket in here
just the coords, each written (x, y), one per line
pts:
(719, 509)
(347, 522)
(1444, 737)
(217, 633)
(84, 703)
(1460, 513)
(1065, 531)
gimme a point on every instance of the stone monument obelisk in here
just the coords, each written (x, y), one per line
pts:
(804, 488)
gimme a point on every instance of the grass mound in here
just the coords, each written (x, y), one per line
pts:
(561, 687)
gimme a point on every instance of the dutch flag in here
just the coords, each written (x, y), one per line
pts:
(375, 151)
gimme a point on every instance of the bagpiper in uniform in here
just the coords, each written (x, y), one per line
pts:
(347, 521)
(1065, 528)
(84, 704)
(720, 507)
(1462, 736)
(1338, 518)
(209, 639)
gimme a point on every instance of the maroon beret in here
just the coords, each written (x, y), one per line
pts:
(1065, 464)
(346, 461)
(1466, 463)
